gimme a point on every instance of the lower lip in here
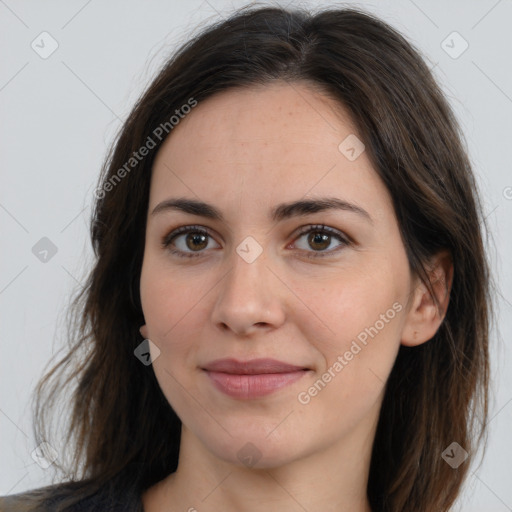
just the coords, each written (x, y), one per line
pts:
(253, 386)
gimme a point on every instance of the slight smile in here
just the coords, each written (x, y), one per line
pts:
(254, 378)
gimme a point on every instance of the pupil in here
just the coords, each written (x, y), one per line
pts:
(317, 238)
(195, 238)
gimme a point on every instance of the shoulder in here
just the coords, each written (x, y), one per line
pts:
(70, 497)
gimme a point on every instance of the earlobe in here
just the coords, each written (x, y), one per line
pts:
(144, 331)
(427, 311)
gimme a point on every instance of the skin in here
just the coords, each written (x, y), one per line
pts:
(245, 151)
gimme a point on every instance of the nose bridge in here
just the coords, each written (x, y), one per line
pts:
(248, 276)
(247, 295)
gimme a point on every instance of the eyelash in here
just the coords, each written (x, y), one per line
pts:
(317, 228)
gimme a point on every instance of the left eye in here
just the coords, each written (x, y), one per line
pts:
(320, 237)
(196, 239)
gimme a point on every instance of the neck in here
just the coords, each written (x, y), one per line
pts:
(332, 480)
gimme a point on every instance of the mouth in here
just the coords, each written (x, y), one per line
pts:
(252, 379)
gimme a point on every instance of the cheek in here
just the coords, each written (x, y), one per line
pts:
(353, 306)
(172, 313)
(168, 299)
(358, 346)
(171, 306)
(357, 339)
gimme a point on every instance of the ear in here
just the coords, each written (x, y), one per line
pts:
(144, 331)
(425, 316)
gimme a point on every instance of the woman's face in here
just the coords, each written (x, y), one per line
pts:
(265, 283)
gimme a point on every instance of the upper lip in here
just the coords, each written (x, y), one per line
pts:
(252, 367)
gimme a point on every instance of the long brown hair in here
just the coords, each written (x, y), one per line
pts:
(121, 428)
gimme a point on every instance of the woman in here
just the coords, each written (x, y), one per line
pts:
(289, 219)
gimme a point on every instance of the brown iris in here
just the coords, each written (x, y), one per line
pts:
(319, 238)
(195, 241)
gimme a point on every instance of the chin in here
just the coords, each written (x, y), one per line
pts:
(253, 451)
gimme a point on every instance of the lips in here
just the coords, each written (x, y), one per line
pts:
(252, 367)
(254, 378)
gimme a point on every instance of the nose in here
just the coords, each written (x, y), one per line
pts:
(251, 298)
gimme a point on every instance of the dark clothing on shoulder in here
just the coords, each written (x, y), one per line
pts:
(63, 497)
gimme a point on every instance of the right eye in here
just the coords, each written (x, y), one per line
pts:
(195, 237)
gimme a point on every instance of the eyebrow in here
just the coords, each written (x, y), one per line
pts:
(278, 213)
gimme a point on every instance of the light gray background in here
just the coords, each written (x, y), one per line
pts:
(59, 114)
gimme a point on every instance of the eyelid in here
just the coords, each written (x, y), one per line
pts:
(343, 238)
(307, 228)
(185, 229)
(322, 227)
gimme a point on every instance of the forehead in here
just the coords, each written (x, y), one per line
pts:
(272, 114)
(265, 144)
